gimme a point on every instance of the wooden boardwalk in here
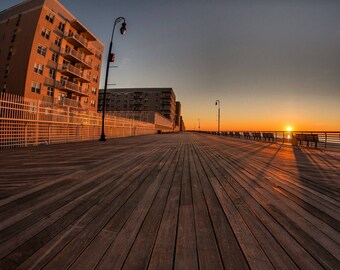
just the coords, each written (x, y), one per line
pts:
(175, 201)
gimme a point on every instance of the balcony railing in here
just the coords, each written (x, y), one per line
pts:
(79, 41)
(58, 31)
(76, 56)
(66, 86)
(73, 71)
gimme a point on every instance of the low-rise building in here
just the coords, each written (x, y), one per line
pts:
(162, 100)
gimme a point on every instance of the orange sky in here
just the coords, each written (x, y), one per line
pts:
(259, 113)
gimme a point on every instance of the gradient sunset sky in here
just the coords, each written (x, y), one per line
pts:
(272, 64)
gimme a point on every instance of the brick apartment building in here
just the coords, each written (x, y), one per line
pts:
(47, 54)
(161, 100)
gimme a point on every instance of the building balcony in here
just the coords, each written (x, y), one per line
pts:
(79, 41)
(74, 72)
(82, 29)
(66, 86)
(75, 56)
(52, 64)
(63, 101)
(54, 47)
(59, 32)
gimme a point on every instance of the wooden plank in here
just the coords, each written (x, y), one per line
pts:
(163, 253)
(271, 247)
(254, 253)
(209, 256)
(85, 237)
(230, 250)
(82, 230)
(57, 218)
(186, 256)
(115, 255)
(272, 205)
(141, 250)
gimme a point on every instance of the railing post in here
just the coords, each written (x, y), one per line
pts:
(49, 133)
(325, 139)
(37, 124)
(26, 134)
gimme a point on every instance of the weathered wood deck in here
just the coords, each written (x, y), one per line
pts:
(177, 201)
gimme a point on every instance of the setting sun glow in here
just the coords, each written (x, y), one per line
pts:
(289, 128)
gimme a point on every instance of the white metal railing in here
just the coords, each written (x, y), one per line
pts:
(26, 122)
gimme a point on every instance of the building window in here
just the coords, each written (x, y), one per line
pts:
(41, 50)
(49, 17)
(86, 100)
(87, 87)
(4, 86)
(98, 55)
(57, 41)
(14, 35)
(55, 57)
(94, 90)
(50, 91)
(46, 33)
(61, 27)
(38, 68)
(35, 87)
(93, 103)
(95, 78)
(52, 74)
(96, 66)
(10, 52)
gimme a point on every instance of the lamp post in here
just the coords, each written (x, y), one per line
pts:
(217, 102)
(110, 58)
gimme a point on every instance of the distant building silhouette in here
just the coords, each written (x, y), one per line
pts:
(162, 100)
(182, 125)
(178, 114)
(47, 54)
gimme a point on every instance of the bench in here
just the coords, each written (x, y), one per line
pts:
(269, 136)
(307, 138)
(257, 136)
(246, 135)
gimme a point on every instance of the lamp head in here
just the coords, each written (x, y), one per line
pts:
(123, 28)
(216, 103)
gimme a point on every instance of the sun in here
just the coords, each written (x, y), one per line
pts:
(289, 128)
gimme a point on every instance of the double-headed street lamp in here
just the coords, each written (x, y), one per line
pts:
(217, 102)
(110, 58)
